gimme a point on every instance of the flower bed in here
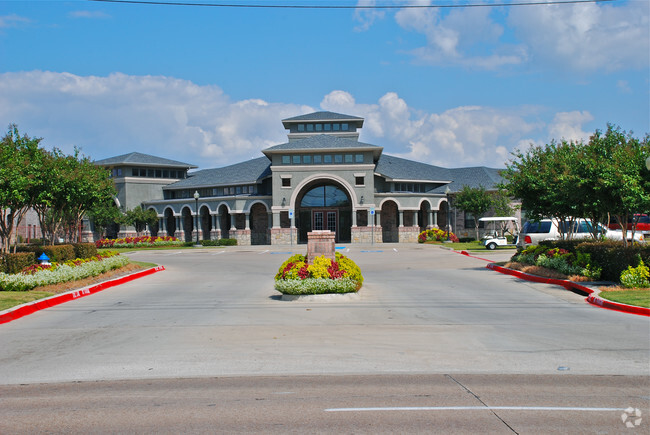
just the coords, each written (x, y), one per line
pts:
(560, 260)
(297, 277)
(138, 242)
(436, 235)
(40, 275)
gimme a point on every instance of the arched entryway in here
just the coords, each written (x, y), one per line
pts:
(423, 215)
(224, 221)
(259, 222)
(324, 205)
(206, 223)
(442, 215)
(155, 228)
(390, 222)
(188, 223)
(170, 222)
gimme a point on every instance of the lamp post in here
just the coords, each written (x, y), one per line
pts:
(196, 199)
(447, 192)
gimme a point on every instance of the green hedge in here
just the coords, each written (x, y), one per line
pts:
(15, 263)
(58, 253)
(85, 250)
(219, 242)
(611, 256)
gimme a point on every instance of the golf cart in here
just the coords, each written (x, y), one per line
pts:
(497, 229)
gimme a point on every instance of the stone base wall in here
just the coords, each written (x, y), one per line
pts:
(282, 236)
(215, 234)
(365, 235)
(243, 237)
(320, 243)
(409, 234)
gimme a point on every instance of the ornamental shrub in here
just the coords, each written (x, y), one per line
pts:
(84, 250)
(59, 273)
(636, 276)
(14, 263)
(436, 235)
(296, 276)
(138, 242)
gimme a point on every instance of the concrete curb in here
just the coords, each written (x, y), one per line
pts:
(19, 311)
(593, 294)
(327, 297)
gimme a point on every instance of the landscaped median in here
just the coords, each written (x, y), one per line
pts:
(31, 307)
(323, 276)
(593, 294)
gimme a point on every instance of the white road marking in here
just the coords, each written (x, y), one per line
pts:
(263, 252)
(476, 408)
(395, 249)
(219, 253)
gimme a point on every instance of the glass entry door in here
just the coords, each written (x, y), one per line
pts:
(325, 220)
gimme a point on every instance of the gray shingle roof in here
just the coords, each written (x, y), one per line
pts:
(248, 172)
(143, 160)
(472, 177)
(323, 116)
(320, 142)
(397, 168)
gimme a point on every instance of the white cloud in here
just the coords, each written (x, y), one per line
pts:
(466, 37)
(365, 16)
(577, 37)
(117, 114)
(586, 37)
(108, 116)
(13, 20)
(88, 14)
(462, 136)
(568, 126)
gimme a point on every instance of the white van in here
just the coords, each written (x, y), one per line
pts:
(549, 229)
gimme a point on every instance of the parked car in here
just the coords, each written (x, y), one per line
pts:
(642, 225)
(551, 229)
(618, 235)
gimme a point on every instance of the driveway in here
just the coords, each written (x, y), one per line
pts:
(422, 309)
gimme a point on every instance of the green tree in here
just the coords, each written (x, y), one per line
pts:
(544, 179)
(140, 219)
(616, 181)
(74, 185)
(103, 215)
(20, 160)
(476, 201)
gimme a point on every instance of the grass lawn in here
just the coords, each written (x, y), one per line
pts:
(639, 297)
(12, 299)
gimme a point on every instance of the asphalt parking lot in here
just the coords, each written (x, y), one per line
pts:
(423, 311)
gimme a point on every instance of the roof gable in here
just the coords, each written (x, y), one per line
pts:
(248, 172)
(142, 160)
(396, 168)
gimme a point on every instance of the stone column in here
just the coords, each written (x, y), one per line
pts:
(415, 219)
(276, 219)
(435, 219)
(401, 218)
(378, 214)
(248, 221)
(354, 218)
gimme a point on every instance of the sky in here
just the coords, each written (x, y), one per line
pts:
(209, 86)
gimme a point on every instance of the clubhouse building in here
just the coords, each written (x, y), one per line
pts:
(322, 178)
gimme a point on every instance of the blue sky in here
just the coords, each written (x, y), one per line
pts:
(210, 85)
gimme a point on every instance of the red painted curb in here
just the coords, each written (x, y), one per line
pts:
(32, 307)
(593, 297)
